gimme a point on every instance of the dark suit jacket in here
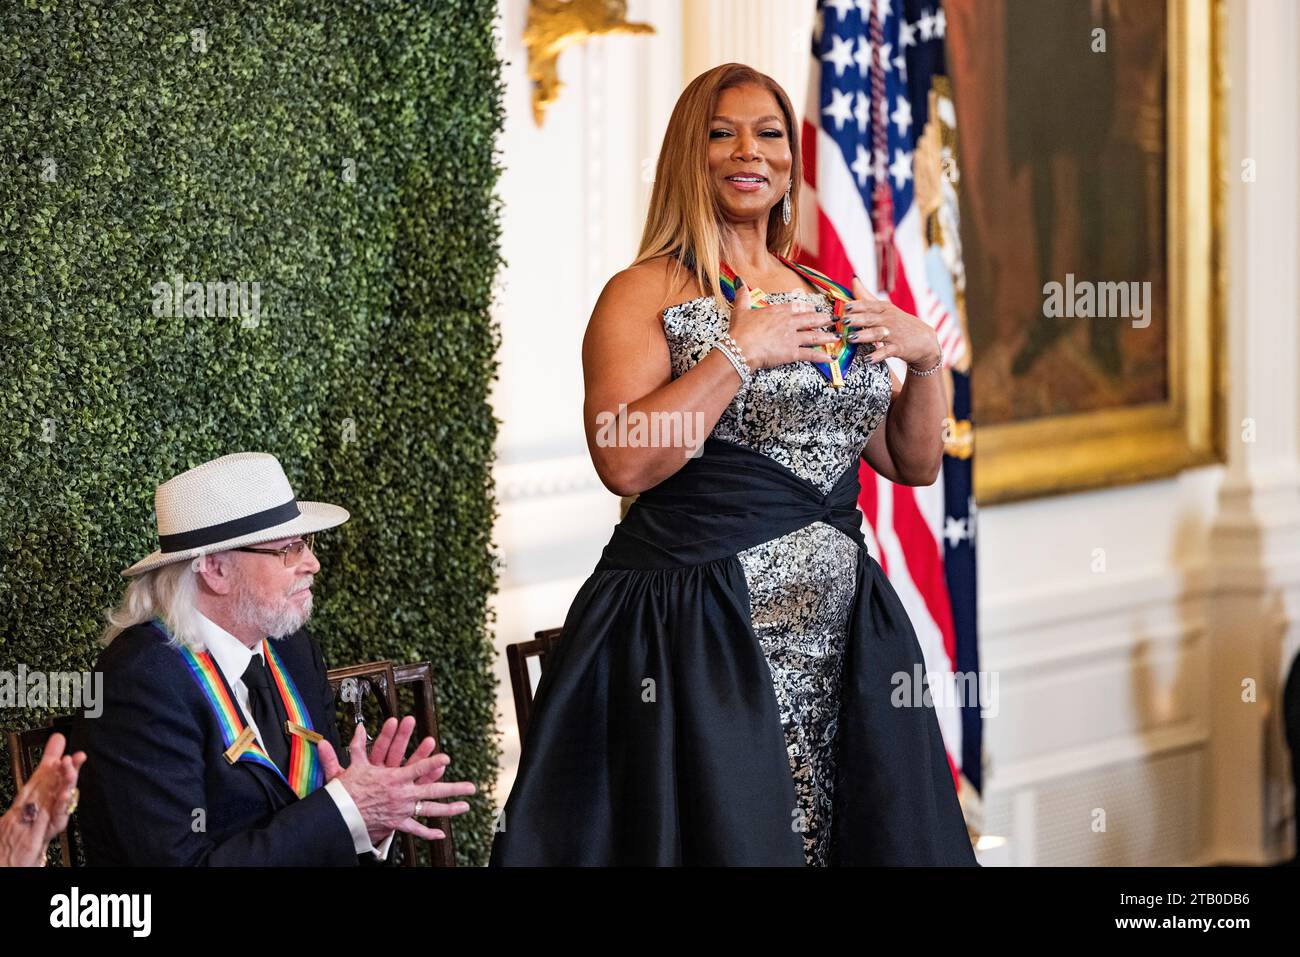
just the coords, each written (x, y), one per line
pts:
(155, 761)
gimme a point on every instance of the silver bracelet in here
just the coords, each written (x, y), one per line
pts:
(930, 371)
(741, 367)
(740, 353)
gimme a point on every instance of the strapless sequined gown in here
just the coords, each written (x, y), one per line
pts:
(801, 585)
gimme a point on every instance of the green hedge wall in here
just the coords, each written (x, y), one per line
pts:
(340, 155)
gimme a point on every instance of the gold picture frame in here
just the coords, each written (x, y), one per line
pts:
(1108, 447)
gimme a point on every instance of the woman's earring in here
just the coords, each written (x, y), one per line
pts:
(785, 204)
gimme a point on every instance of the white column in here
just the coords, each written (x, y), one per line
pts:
(772, 36)
(1254, 617)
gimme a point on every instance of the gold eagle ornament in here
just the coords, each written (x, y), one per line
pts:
(555, 25)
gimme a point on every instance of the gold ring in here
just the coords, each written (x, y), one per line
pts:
(73, 797)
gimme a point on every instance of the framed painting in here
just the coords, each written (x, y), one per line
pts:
(1091, 226)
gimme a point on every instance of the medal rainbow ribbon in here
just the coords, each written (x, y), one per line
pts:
(839, 295)
(241, 745)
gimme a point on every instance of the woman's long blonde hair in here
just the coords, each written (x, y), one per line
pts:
(684, 219)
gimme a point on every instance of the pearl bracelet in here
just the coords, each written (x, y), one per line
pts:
(735, 346)
(737, 361)
(931, 371)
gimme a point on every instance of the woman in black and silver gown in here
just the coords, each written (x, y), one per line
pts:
(721, 693)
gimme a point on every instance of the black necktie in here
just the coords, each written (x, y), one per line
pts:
(268, 712)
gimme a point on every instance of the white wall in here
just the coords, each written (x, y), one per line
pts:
(574, 191)
(1121, 690)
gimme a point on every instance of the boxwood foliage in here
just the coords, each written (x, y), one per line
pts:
(342, 156)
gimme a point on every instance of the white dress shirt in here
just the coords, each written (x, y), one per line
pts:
(233, 657)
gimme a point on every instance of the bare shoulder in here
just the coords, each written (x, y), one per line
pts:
(627, 321)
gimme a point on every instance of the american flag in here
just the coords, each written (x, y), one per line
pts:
(879, 201)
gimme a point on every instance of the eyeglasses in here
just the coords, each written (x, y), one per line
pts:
(291, 554)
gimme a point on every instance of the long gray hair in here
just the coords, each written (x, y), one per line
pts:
(167, 593)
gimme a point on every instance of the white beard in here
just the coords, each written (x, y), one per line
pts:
(277, 622)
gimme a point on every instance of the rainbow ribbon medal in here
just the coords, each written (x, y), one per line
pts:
(305, 773)
(843, 352)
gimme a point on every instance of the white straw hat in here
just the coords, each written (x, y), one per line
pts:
(236, 500)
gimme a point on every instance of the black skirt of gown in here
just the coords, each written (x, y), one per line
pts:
(655, 737)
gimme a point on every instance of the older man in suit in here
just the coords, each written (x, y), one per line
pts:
(217, 743)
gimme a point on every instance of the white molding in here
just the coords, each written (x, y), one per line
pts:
(1030, 772)
(1037, 655)
(1055, 604)
(1059, 604)
(546, 478)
